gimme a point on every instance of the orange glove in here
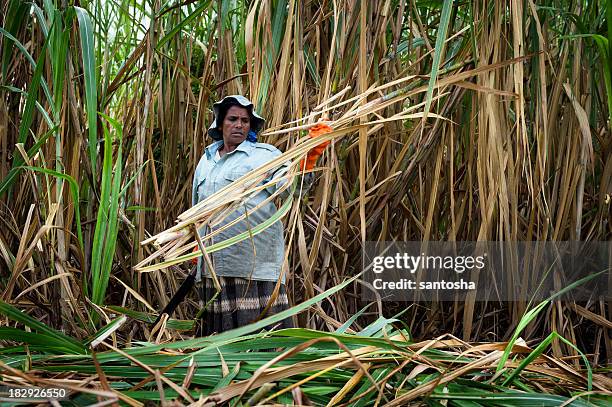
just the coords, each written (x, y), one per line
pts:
(195, 261)
(315, 152)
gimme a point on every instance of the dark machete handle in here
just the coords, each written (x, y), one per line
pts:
(179, 296)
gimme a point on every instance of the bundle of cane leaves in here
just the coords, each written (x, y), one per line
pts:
(178, 240)
(378, 365)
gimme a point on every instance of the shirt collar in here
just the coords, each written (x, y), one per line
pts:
(246, 146)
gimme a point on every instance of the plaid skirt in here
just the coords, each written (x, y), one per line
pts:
(239, 303)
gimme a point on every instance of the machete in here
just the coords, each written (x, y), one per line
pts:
(179, 296)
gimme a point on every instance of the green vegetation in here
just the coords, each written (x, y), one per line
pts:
(454, 120)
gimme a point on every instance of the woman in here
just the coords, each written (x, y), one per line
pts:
(247, 271)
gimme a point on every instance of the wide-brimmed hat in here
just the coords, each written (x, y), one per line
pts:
(257, 121)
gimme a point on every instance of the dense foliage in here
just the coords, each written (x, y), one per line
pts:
(104, 107)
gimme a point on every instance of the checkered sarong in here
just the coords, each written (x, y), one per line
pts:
(239, 303)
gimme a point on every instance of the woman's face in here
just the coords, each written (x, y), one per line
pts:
(236, 126)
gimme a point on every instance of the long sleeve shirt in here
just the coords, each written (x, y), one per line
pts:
(259, 257)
